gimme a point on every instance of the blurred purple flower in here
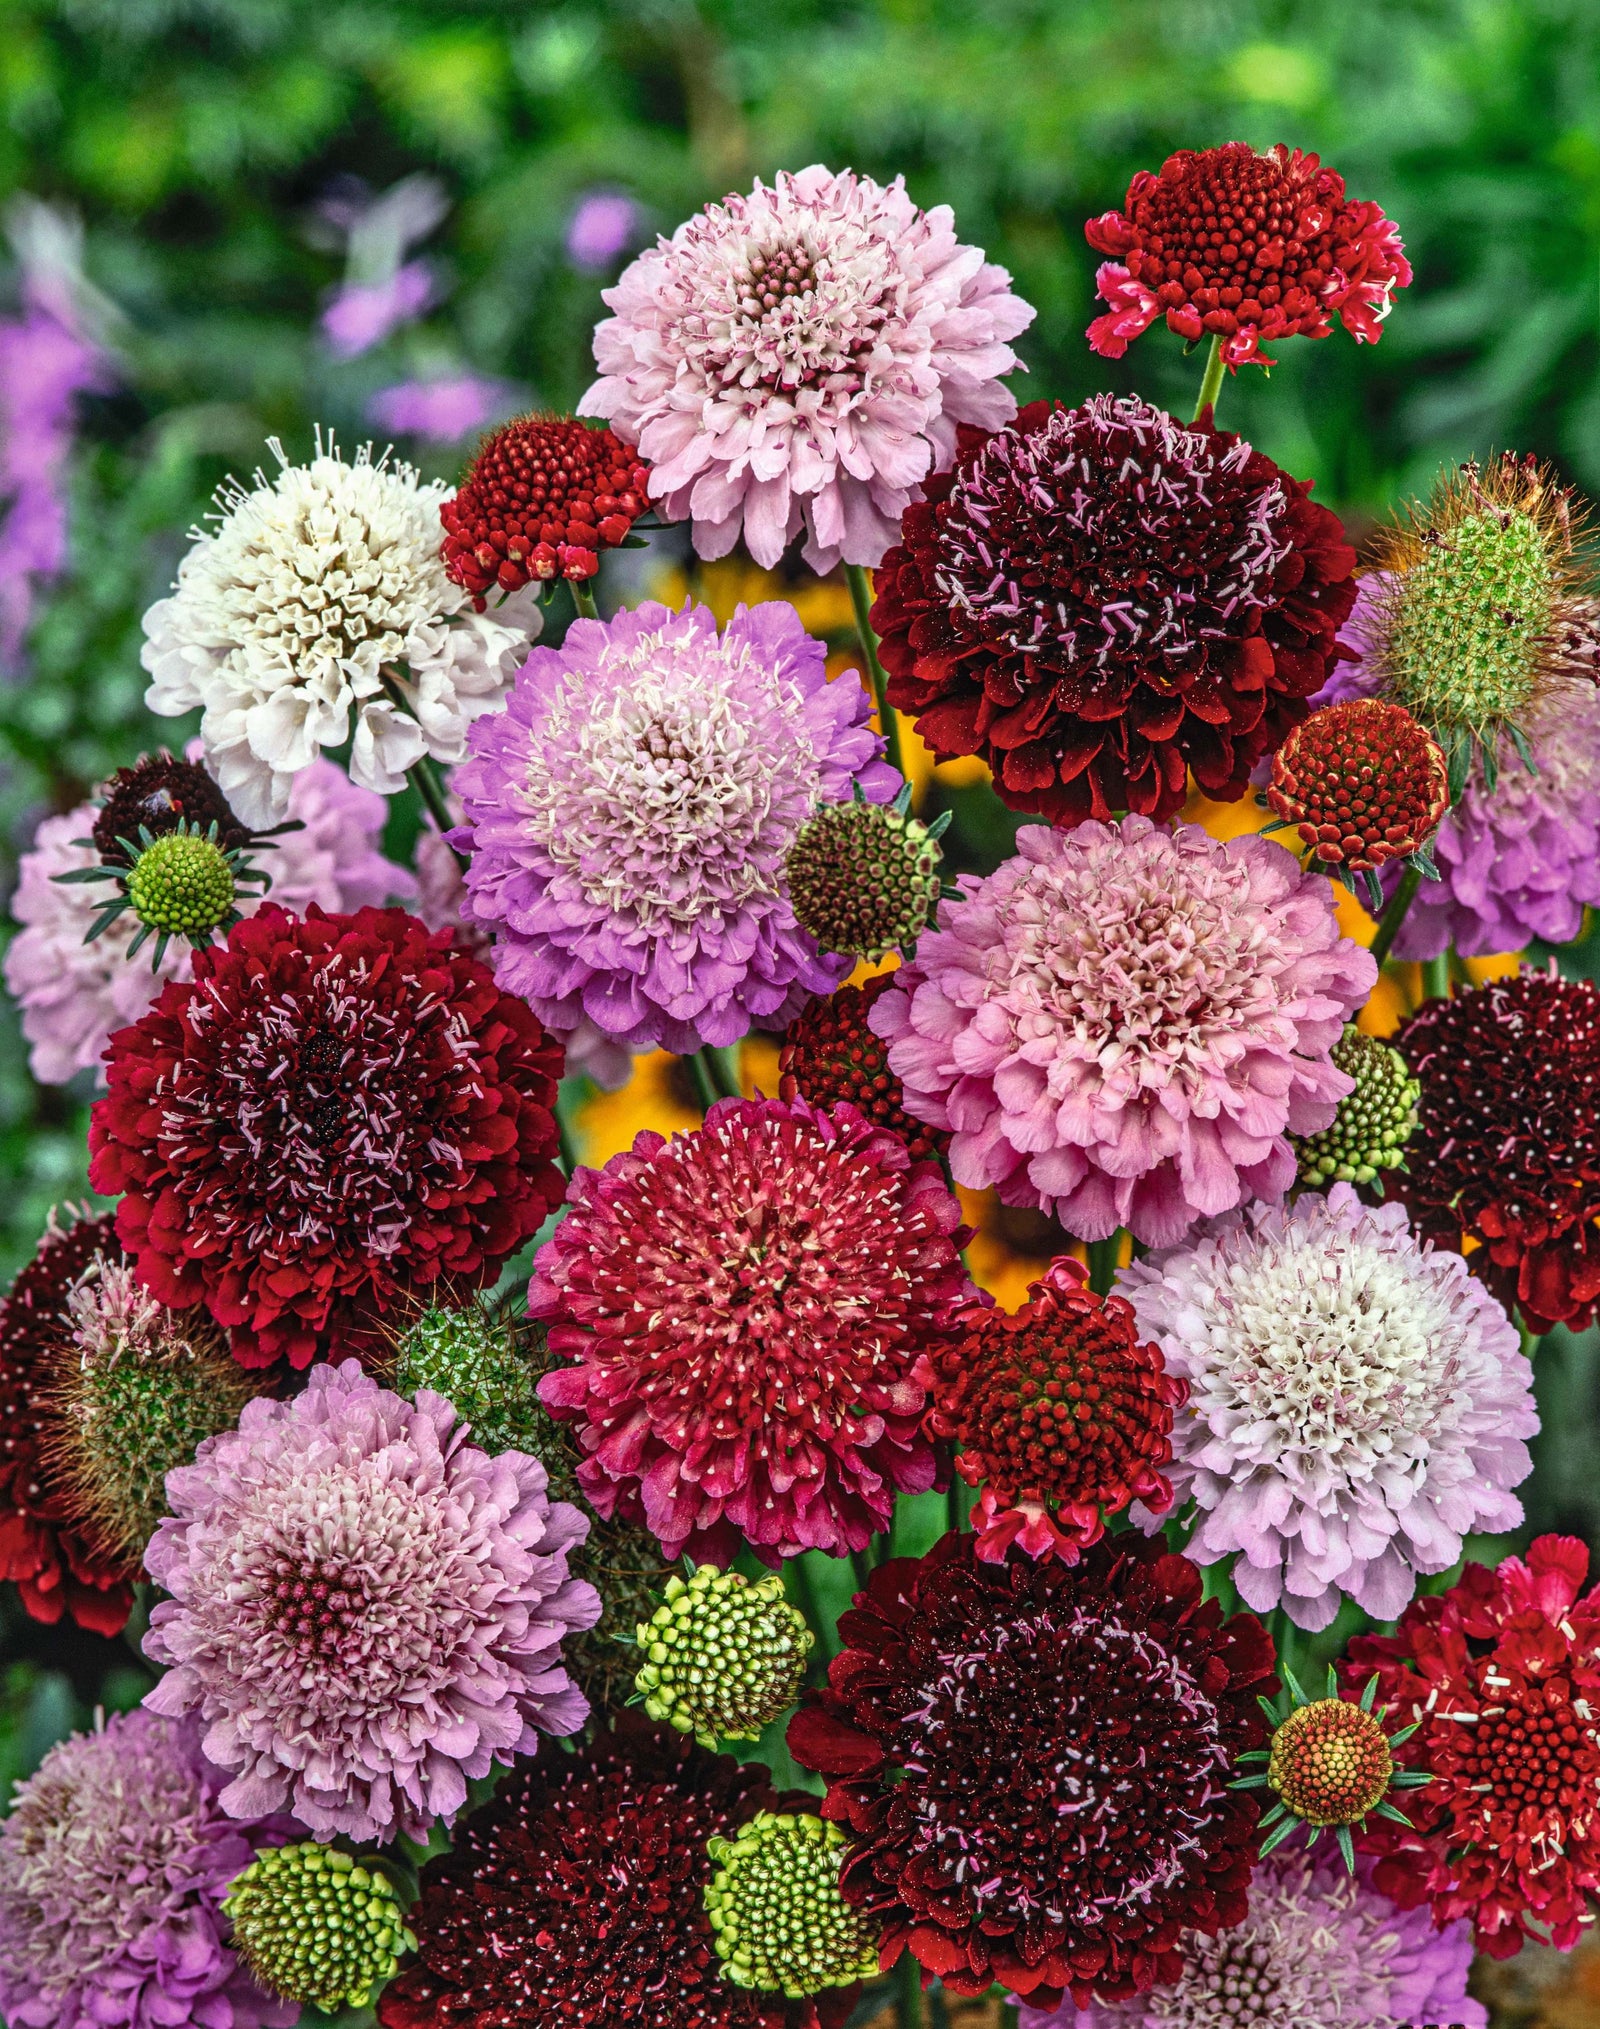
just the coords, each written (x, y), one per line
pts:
(363, 314)
(602, 227)
(442, 411)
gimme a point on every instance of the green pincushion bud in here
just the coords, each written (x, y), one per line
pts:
(316, 1926)
(182, 885)
(723, 1657)
(475, 1360)
(778, 1920)
(1373, 1123)
(863, 878)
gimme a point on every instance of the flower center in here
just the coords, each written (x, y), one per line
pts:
(319, 1606)
(1531, 1750)
(181, 884)
(1330, 1762)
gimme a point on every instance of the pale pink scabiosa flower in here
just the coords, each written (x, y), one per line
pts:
(630, 812)
(1357, 1402)
(114, 1861)
(750, 1309)
(74, 995)
(1123, 1024)
(366, 1610)
(801, 357)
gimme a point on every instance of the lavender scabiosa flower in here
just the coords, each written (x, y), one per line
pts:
(601, 227)
(445, 410)
(1357, 1401)
(630, 813)
(1123, 1024)
(381, 290)
(114, 1861)
(801, 357)
(366, 1611)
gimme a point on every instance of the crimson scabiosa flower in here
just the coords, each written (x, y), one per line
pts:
(1506, 1151)
(543, 496)
(1247, 248)
(830, 1054)
(1501, 1678)
(749, 1311)
(350, 1110)
(1097, 600)
(1061, 1413)
(1032, 1760)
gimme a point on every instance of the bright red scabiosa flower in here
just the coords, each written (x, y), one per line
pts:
(1501, 1675)
(1060, 1412)
(829, 1054)
(749, 1309)
(340, 1110)
(1033, 1760)
(1507, 1146)
(44, 1547)
(1096, 600)
(542, 498)
(575, 1898)
(1245, 247)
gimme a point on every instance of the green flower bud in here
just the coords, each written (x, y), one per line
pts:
(778, 1920)
(1373, 1123)
(723, 1657)
(316, 1926)
(182, 885)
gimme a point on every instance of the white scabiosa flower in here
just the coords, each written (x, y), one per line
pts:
(317, 612)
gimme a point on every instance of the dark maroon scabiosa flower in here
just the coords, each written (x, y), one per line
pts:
(1097, 599)
(161, 793)
(1247, 248)
(44, 1546)
(1060, 1412)
(542, 498)
(1033, 1761)
(1507, 1146)
(341, 1110)
(575, 1898)
(830, 1054)
(749, 1309)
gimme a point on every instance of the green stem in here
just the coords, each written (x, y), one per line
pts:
(705, 1086)
(860, 1569)
(798, 1572)
(955, 1505)
(569, 1150)
(908, 1992)
(583, 599)
(888, 721)
(425, 774)
(1010, 2015)
(724, 1066)
(1210, 381)
(1436, 977)
(1104, 1257)
(1392, 917)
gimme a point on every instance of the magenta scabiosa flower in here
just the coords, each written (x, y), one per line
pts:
(630, 812)
(1123, 1024)
(800, 358)
(366, 1610)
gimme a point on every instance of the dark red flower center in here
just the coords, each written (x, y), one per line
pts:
(830, 1054)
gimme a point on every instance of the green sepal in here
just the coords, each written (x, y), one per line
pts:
(1248, 1782)
(1277, 1837)
(1346, 1846)
(941, 824)
(1368, 1696)
(1387, 1810)
(1404, 1734)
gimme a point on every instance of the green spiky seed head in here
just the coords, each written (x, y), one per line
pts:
(863, 878)
(1469, 621)
(778, 1921)
(316, 1926)
(182, 884)
(1373, 1123)
(474, 1359)
(722, 1657)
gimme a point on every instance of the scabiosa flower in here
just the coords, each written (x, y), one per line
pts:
(749, 1309)
(1121, 1025)
(830, 1054)
(443, 409)
(1373, 1123)
(1246, 247)
(1032, 1760)
(1320, 1948)
(630, 813)
(1098, 599)
(722, 1657)
(1357, 1402)
(863, 878)
(317, 1927)
(774, 1904)
(1507, 1147)
(600, 228)
(1501, 1675)
(1060, 1413)
(320, 610)
(351, 1110)
(366, 1611)
(114, 1860)
(801, 357)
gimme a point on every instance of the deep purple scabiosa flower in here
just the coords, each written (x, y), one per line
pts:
(800, 358)
(750, 1309)
(114, 1861)
(1357, 1401)
(1123, 1024)
(366, 1610)
(630, 813)
(1320, 1949)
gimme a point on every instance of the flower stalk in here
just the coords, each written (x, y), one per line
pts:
(1210, 381)
(888, 719)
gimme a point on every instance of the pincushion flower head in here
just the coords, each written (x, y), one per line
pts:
(1247, 248)
(1097, 600)
(319, 611)
(1358, 1403)
(350, 1109)
(830, 1054)
(365, 1610)
(749, 1310)
(800, 358)
(1501, 1678)
(1033, 1759)
(114, 1861)
(630, 812)
(1122, 1024)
